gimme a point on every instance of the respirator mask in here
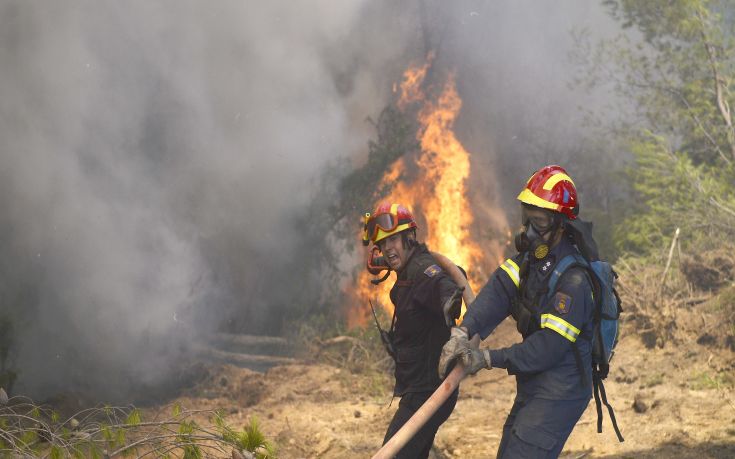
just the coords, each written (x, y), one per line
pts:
(535, 228)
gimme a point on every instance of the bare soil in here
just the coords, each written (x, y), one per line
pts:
(670, 401)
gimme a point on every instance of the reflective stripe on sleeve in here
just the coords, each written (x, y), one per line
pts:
(511, 268)
(560, 326)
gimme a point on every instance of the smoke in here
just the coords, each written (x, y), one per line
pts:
(154, 156)
(516, 76)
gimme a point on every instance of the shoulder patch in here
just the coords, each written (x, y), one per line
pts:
(562, 303)
(432, 270)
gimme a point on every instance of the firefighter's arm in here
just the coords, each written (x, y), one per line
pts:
(562, 320)
(449, 297)
(492, 305)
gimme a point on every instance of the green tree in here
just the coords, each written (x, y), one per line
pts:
(676, 65)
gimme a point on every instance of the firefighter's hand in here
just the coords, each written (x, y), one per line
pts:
(455, 348)
(475, 360)
(453, 306)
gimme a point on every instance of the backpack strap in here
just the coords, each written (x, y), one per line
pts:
(564, 264)
(600, 372)
(571, 261)
(600, 393)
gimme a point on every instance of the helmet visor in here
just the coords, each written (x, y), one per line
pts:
(386, 222)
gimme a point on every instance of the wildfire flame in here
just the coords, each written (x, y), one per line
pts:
(438, 193)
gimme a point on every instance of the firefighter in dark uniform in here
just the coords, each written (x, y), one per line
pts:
(552, 364)
(425, 301)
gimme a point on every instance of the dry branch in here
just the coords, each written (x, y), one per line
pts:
(29, 430)
(668, 262)
(720, 87)
(237, 358)
(249, 340)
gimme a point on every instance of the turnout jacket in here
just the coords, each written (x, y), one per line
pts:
(420, 332)
(544, 363)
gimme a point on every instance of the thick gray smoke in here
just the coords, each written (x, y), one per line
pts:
(516, 75)
(153, 155)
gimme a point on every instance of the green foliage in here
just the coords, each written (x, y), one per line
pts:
(95, 452)
(672, 192)
(120, 438)
(56, 453)
(133, 418)
(679, 77)
(250, 439)
(30, 430)
(28, 438)
(192, 451)
(190, 448)
(106, 433)
(705, 381)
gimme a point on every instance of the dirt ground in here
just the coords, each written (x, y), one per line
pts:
(675, 401)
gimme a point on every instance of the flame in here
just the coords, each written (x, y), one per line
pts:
(438, 193)
(413, 78)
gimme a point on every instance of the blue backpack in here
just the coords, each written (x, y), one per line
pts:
(605, 324)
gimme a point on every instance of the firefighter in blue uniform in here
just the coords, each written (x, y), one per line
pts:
(426, 302)
(552, 364)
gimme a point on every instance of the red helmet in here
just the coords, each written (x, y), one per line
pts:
(388, 219)
(551, 188)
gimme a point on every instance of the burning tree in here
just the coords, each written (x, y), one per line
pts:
(432, 179)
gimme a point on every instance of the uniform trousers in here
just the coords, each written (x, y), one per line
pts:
(420, 445)
(537, 428)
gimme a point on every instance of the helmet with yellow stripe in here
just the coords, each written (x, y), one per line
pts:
(551, 188)
(388, 219)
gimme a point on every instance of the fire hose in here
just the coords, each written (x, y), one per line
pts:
(426, 411)
(447, 387)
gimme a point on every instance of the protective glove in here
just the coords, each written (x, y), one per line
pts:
(457, 346)
(453, 306)
(475, 360)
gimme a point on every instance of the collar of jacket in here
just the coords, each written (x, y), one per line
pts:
(408, 273)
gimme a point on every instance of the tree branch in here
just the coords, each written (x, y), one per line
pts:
(696, 183)
(721, 206)
(697, 121)
(722, 104)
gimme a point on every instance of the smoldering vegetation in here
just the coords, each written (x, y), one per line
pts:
(166, 168)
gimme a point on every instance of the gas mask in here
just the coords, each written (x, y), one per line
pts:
(531, 237)
(529, 240)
